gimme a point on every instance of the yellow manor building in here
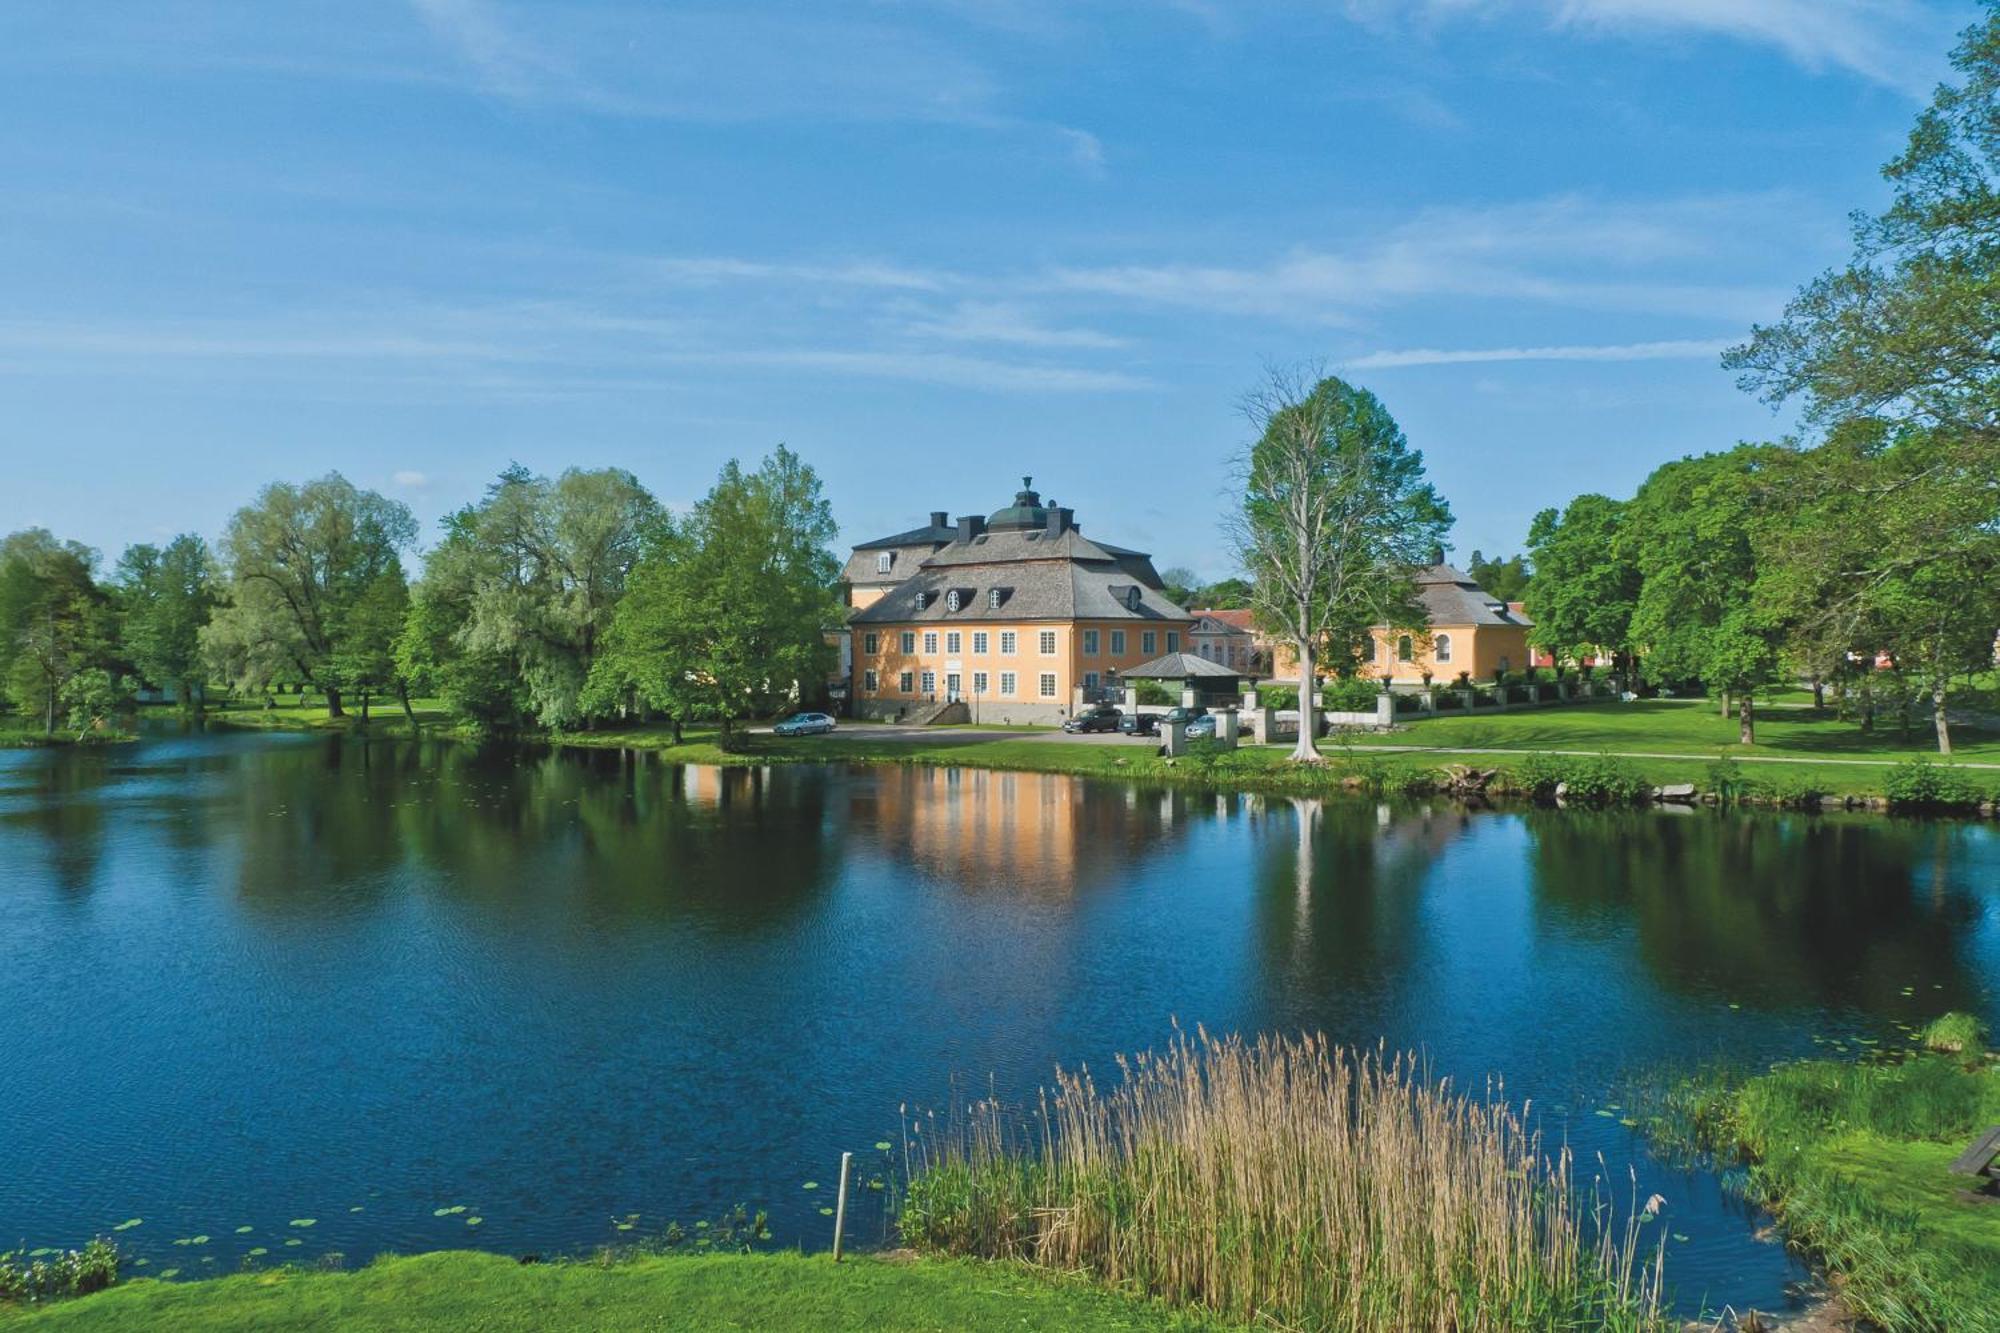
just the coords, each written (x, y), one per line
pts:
(1014, 618)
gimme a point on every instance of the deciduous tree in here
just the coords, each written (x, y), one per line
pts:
(166, 597)
(1337, 521)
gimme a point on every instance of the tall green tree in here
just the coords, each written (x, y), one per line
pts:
(56, 623)
(1337, 521)
(299, 559)
(166, 597)
(1904, 332)
(726, 616)
(1693, 535)
(526, 583)
(1585, 582)
(1506, 577)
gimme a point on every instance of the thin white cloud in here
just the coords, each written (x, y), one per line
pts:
(410, 480)
(1673, 349)
(713, 270)
(1896, 43)
(1005, 322)
(959, 372)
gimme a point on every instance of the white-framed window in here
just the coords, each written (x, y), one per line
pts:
(930, 682)
(868, 682)
(1090, 680)
(884, 562)
(1048, 643)
(979, 682)
(1406, 650)
(954, 642)
(1368, 649)
(1118, 643)
(907, 682)
(1009, 643)
(979, 641)
(909, 641)
(1442, 647)
(1149, 642)
(930, 641)
(1007, 683)
(951, 600)
(993, 599)
(1048, 685)
(1090, 643)
(1173, 640)
(871, 644)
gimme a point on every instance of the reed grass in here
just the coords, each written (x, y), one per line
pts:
(1291, 1183)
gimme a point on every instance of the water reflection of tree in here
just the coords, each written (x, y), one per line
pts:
(1339, 893)
(55, 798)
(1779, 910)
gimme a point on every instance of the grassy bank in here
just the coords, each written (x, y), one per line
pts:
(1619, 749)
(1853, 1158)
(1290, 1183)
(456, 1290)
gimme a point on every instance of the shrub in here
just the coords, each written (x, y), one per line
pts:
(1449, 699)
(1955, 1034)
(1921, 785)
(1152, 692)
(1409, 703)
(1791, 791)
(1280, 697)
(70, 1273)
(1587, 780)
(1353, 695)
(1725, 778)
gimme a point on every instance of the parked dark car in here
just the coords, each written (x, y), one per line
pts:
(1101, 718)
(1149, 724)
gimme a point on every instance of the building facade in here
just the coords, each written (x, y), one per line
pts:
(1018, 616)
(1470, 632)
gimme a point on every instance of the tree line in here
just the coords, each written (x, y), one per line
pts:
(548, 603)
(1868, 557)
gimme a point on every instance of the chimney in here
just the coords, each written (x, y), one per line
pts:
(940, 518)
(1059, 521)
(970, 526)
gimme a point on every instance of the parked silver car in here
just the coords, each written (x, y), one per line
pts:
(804, 724)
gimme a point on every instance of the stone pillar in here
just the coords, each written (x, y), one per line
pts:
(1132, 700)
(1225, 727)
(1173, 736)
(1262, 725)
(1189, 697)
(1468, 699)
(1385, 711)
(1500, 697)
(1430, 700)
(1250, 700)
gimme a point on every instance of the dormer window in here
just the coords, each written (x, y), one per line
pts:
(993, 599)
(951, 600)
(923, 600)
(884, 561)
(1132, 599)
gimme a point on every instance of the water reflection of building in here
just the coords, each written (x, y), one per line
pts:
(1043, 833)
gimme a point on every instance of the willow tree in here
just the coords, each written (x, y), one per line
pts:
(1337, 521)
(726, 615)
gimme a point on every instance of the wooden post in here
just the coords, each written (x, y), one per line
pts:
(840, 1204)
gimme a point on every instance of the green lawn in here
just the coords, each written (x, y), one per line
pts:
(1693, 727)
(1854, 1159)
(465, 1290)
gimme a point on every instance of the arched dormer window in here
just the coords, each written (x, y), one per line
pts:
(951, 600)
(1132, 599)
(993, 599)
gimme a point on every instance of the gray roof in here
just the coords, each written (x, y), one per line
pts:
(1065, 578)
(1178, 666)
(928, 535)
(1450, 597)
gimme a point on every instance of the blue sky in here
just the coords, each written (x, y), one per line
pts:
(932, 246)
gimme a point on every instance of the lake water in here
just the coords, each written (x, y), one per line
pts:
(250, 979)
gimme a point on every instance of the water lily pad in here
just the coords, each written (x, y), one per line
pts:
(624, 1226)
(295, 1241)
(128, 1224)
(197, 1240)
(810, 1185)
(45, 1250)
(355, 1209)
(257, 1252)
(1607, 1115)
(882, 1146)
(474, 1221)
(305, 1221)
(166, 1273)
(451, 1211)
(826, 1212)
(244, 1231)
